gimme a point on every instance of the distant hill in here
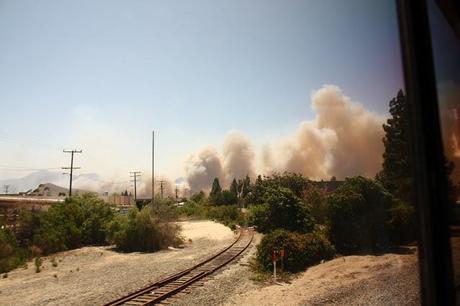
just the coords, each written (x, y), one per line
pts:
(88, 181)
(51, 190)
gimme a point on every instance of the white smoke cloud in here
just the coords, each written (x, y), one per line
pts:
(344, 139)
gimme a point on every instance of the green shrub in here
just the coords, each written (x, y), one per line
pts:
(80, 220)
(401, 223)
(142, 231)
(358, 213)
(301, 250)
(192, 209)
(282, 209)
(226, 214)
(11, 256)
(259, 216)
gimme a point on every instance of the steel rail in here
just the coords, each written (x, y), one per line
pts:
(162, 282)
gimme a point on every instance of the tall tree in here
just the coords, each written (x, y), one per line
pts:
(216, 189)
(396, 174)
(234, 187)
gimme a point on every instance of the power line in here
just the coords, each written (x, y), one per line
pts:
(71, 168)
(135, 175)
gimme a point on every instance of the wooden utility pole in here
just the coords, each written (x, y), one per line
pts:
(71, 168)
(161, 187)
(153, 168)
(135, 175)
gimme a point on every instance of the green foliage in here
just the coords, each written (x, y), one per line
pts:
(226, 214)
(358, 214)
(11, 256)
(401, 222)
(198, 197)
(78, 221)
(301, 250)
(142, 231)
(228, 198)
(216, 189)
(259, 216)
(192, 209)
(396, 175)
(316, 201)
(292, 181)
(234, 187)
(282, 209)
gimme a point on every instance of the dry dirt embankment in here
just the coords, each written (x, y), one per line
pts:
(95, 275)
(390, 279)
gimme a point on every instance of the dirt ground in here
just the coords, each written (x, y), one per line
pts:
(95, 275)
(390, 279)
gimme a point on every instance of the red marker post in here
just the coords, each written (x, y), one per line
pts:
(282, 259)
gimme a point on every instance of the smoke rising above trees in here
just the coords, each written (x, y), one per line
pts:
(344, 139)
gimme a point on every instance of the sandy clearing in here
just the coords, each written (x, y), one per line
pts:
(94, 275)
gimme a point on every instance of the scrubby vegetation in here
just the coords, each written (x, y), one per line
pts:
(86, 220)
(142, 231)
(301, 250)
(11, 255)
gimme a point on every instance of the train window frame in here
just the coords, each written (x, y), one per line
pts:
(431, 196)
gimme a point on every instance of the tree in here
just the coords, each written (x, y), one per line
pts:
(216, 189)
(234, 187)
(358, 214)
(281, 209)
(396, 175)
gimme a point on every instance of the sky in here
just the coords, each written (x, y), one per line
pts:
(101, 75)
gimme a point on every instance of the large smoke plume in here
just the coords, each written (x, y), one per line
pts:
(238, 156)
(202, 168)
(344, 139)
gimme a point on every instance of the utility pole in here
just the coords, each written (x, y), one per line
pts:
(135, 175)
(6, 188)
(153, 168)
(71, 168)
(177, 196)
(161, 187)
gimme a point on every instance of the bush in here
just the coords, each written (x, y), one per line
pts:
(282, 209)
(192, 209)
(142, 231)
(401, 222)
(358, 214)
(227, 214)
(79, 221)
(301, 250)
(11, 256)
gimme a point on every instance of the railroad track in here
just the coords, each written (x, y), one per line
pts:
(164, 290)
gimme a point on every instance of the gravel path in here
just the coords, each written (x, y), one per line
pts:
(95, 275)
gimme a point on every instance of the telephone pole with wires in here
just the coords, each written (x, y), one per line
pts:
(6, 188)
(71, 168)
(161, 187)
(135, 175)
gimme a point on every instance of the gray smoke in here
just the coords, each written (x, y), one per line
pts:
(202, 168)
(238, 156)
(344, 139)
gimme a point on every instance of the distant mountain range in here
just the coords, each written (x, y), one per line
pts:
(87, 181)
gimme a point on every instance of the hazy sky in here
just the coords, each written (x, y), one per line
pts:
(100, 75)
